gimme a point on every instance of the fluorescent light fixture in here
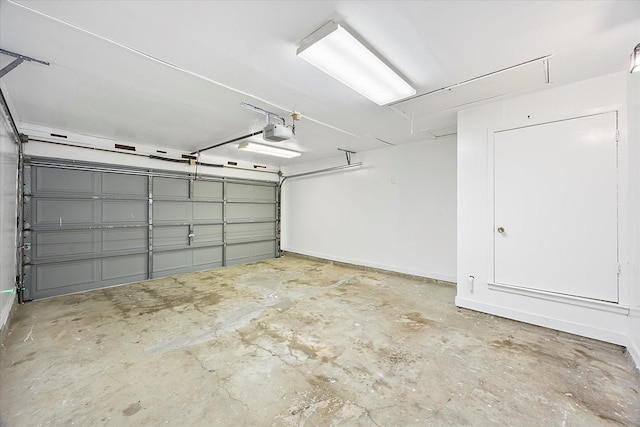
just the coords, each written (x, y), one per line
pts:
(338, 53)
(268, 150)
(635, 59)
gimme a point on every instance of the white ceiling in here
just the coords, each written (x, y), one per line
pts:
(173, 74)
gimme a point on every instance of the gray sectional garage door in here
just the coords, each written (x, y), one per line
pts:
(87, 227)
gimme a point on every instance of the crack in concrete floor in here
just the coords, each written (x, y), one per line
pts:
(296, 342)
(237, 318)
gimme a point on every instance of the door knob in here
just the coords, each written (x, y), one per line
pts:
(500, 229)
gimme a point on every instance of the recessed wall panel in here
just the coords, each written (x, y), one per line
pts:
(133, 267)
(250, 211)
(171, 260)
(251, 231)
(164, 236)
(124, 211)
(171, 211)
(125, 184)
(207, 211)
(62, 212)
(209, 190)
(250, 192)
(207, 234)
(48, 180)
(124, 239)
(207, 257)
(170, 187)
(55, 244)
(65, 274)
(249, 252)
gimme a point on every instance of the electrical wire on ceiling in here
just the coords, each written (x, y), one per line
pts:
(170, 65)
(270, 132)
(268, 115)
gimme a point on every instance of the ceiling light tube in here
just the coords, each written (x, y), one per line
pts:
(338, 53)
(268, 150)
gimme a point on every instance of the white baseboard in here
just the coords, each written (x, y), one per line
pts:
(576, 328)
(396, 269)
(634, 352)
(6, 310)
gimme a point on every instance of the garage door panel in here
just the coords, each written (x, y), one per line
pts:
(124, 185)
(208, 190)
(124, 211)
(207, 211)
(171, 236)
(251, 231)
(250, 211)
(249, 252)
(90, 228)
(171, 211)
(171, 260)
(62, 212)
(170, 187)
(132, 267)
(52, 180)
(124, 239)
(57, 244)
(207, 257)
(207, 234)
(250, 192)
(65, 274)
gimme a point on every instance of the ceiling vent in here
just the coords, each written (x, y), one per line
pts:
(442, 132)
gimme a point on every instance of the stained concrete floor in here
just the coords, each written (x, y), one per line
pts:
(298, 342)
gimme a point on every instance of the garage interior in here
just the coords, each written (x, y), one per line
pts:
(202, 226)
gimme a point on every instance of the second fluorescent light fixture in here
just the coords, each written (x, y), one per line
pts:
(268, 150)
(338, 53)
(635, 59)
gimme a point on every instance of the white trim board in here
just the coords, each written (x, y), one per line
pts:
(565, 325)
(634, 353)
(391, 268)
(6, 311)
(566, 299)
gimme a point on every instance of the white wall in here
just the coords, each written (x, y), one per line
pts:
(605, 321)
(8, 200)
(633, 93)
(397, 212)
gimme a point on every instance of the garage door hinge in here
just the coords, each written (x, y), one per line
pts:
(617, 135)
(619, 268)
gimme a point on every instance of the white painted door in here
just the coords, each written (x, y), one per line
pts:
(555, 224)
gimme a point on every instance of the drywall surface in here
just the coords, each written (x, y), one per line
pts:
(604, 321)
(8, 200)
(396, 212)
(43, 142)
(633, 100)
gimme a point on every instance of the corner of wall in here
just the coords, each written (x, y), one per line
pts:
(7, 309)
(8, 209)
(633, 167)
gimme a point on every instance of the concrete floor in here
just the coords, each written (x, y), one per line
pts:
(293, 342)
